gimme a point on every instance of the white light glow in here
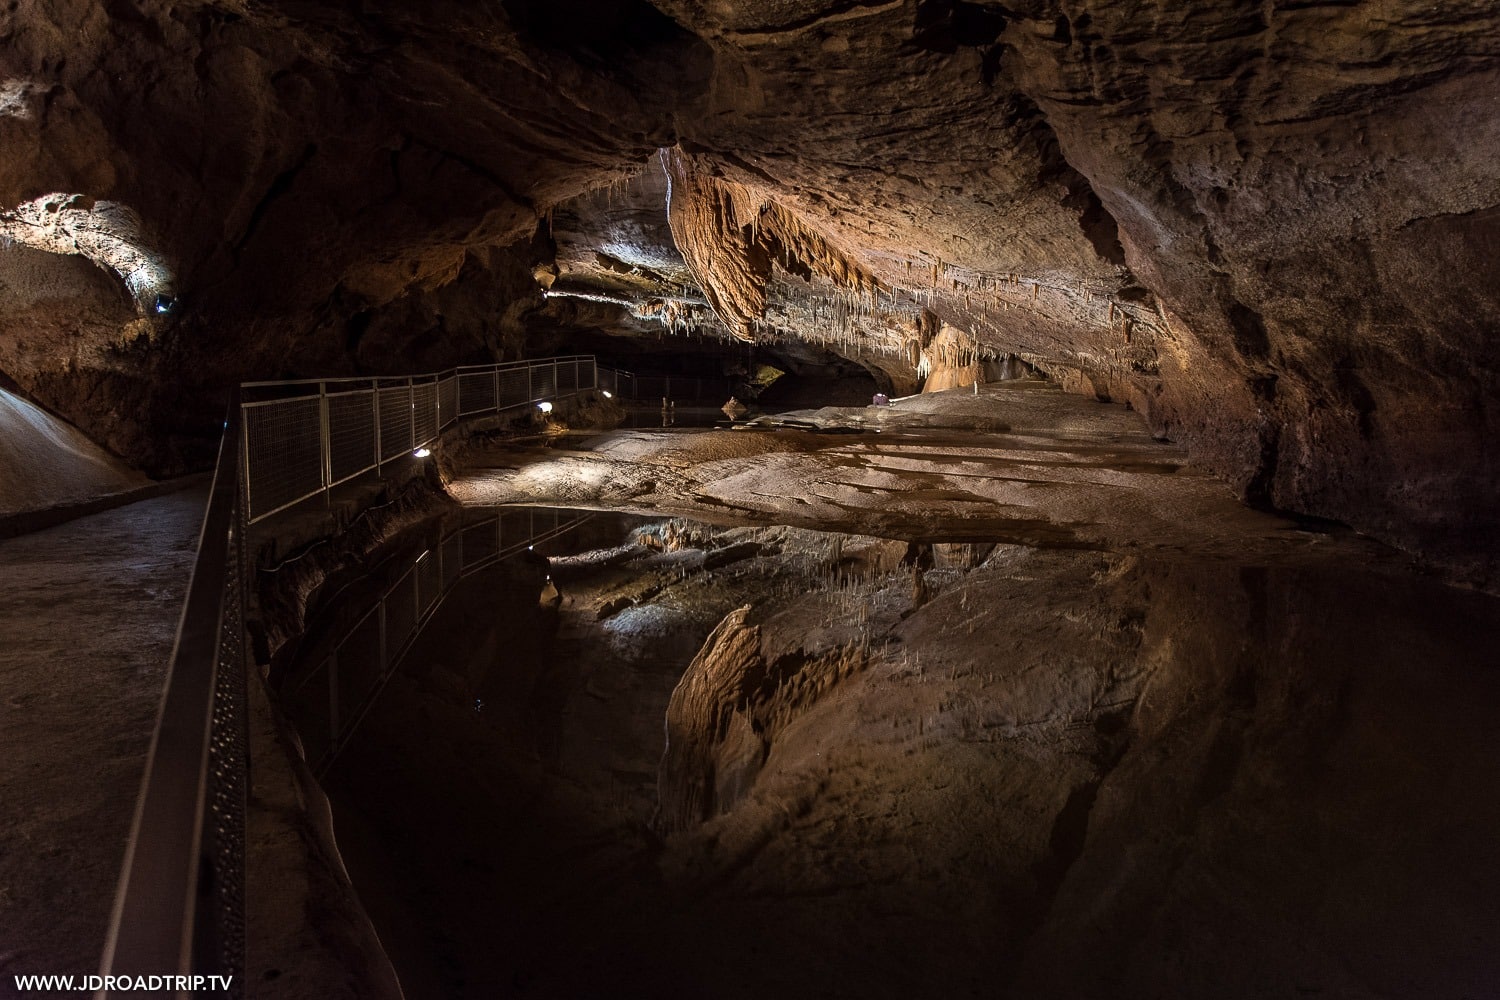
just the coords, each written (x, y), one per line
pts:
(422, 452)
(108, 233)
(544, 407)
(608, 394)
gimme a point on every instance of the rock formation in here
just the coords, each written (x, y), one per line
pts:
(1270, 230)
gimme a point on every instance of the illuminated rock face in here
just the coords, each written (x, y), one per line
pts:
(1271, 230)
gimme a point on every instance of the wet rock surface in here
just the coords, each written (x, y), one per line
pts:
(1020, 461)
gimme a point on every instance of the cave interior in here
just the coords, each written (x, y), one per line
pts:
(1144, 645)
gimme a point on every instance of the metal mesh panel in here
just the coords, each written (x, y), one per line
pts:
(543, 382)
(308, 706)
(400, 613)
(479, 544)
(476, 392)
(395, 422)
(359, 668)
(284, 454)
(650, 387)
(229, 756)
(425, 400)
(351, 433)
(447, 401)
(514, 387)
(429, 582)
(567, 376)
(453, 558)
(515, 527)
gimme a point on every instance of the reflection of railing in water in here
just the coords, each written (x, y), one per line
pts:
(375, 644)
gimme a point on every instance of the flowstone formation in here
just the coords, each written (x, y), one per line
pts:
(731, 235)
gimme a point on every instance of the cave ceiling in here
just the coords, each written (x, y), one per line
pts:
(1270, 228)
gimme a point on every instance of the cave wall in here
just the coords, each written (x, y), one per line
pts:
(1311, 192)
(1270, 230)
(297, 166)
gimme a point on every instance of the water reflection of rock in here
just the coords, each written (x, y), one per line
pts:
(1063, 773)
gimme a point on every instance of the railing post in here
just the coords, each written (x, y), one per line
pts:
(375, 406)
(495, 388)
(383, 649)
(333, 697)
(411, 410)
(325, 444)
(244, 459)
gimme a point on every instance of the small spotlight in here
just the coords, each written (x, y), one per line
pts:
(544, 407)
(165, 304)
(608, 394)
(422, 452)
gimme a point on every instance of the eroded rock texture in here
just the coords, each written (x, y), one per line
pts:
(1270, 228)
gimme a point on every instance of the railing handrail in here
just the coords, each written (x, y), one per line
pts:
(179, 904)
(425, 376)
(292, 454)
(161, 890)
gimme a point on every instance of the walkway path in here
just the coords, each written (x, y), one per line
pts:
(88, 611)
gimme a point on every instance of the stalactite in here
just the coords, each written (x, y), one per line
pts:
(730, 235)
(731, 270)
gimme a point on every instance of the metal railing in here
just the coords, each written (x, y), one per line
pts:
(328, 702)
(311, 436)
(179, 908)
(653, 388)
(180, 905)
